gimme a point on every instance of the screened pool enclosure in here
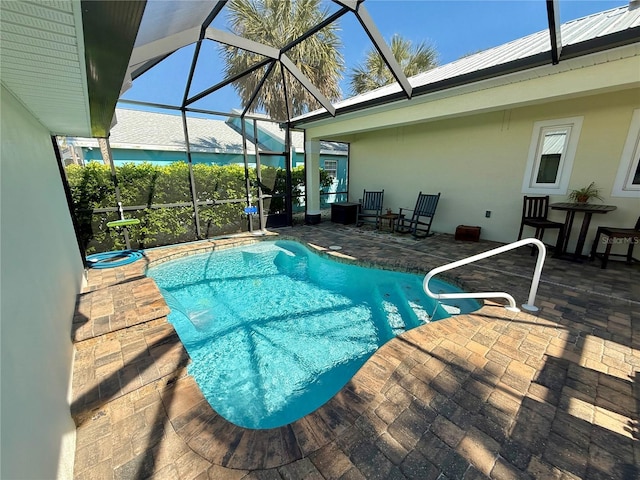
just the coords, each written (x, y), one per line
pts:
(264, 173)
(207, 178)
(263, 179)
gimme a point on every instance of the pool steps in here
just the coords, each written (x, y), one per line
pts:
(401, 313)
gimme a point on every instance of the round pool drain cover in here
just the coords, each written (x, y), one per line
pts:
(335, 247)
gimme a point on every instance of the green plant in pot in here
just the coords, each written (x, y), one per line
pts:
(584, 194)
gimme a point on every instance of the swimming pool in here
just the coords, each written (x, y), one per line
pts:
(274, 330)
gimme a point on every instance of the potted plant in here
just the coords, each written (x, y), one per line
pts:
(584, 194)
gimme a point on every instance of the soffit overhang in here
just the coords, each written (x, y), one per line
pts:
(43, 65)
(65, 61)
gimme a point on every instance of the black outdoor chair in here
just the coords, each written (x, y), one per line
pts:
(630, 236)
(370, 208)
(534, 214)
(419, 222)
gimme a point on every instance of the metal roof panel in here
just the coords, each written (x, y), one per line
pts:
(573, 32)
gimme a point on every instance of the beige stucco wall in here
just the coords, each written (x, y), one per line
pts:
(478, 162)
(41, 274)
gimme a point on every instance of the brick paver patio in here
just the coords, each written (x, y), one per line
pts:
(491, 394)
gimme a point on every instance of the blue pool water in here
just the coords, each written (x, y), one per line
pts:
(274, 330)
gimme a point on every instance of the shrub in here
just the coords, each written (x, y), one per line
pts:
(148, 186)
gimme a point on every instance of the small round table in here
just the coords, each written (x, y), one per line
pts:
(392, 218)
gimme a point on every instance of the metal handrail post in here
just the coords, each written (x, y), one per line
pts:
(537, 272)
(529, 306)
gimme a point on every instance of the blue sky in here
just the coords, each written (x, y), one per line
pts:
(454, 27)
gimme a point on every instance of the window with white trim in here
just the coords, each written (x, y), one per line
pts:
(627, 183)
(331, 167)
(551, 154)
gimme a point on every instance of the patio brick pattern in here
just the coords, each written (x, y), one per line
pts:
(123, 305)
(491, 394)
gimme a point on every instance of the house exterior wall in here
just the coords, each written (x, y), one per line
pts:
(41, 275)
(478, 163)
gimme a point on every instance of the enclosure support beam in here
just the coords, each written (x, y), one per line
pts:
(227, 81)
(258, 88)
(107, 157)
(192, 180)
(553, 16)
(380, 45)
(69, 197)
(247, 178)
(163, 46)
(312, 174)
(307, 84)
(262, 214)
(288, 162)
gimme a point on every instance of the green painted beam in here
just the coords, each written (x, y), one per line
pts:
(110, 29)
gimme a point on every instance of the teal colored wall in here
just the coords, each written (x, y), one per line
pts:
(160, 157)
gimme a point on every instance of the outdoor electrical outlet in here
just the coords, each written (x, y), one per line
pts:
(487, 213)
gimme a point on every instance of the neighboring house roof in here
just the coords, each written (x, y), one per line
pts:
(617, 21)
(334, 148)
(144, 130)
(297, 137)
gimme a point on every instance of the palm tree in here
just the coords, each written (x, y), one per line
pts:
(277, 23)
(374, 73)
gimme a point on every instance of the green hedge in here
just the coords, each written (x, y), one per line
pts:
(145, 184)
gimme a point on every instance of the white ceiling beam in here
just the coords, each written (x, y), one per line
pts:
(380, 45)
(307, 84)
(242, 43)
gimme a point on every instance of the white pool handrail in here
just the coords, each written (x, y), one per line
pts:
(529, 306)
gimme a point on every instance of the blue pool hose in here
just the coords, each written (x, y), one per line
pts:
(110, 259)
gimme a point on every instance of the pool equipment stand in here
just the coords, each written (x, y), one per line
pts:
(250, 211)
(122, 223)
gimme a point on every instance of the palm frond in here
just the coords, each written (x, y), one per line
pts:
(374, 73)
(277, 23)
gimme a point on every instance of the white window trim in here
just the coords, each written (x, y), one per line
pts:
(628, 161)
(335, 162)
(566, 163)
